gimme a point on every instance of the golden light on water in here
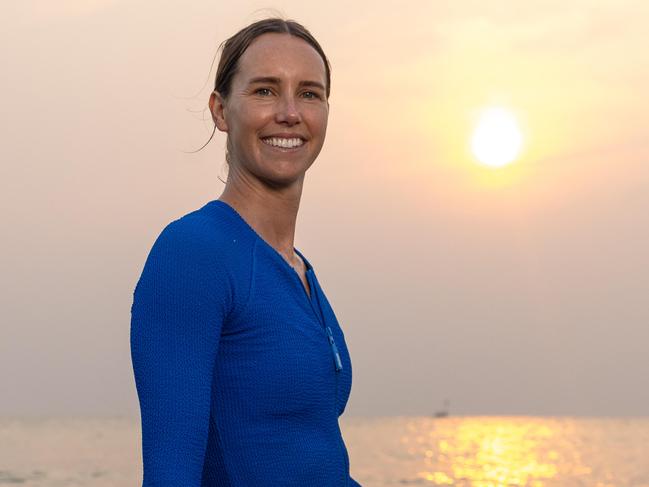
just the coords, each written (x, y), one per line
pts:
(497, 139)
(493, 451)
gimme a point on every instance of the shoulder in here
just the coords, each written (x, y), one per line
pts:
(205, 248)
(202, 232)
(192, 232)
(184, 266)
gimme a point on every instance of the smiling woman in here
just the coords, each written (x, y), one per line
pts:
(241, 366)
(277, 96)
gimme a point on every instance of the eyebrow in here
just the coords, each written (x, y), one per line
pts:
(277, 81)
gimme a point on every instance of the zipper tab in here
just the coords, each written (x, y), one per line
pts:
(334, 349)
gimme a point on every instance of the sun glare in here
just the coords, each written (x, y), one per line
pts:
(497, 138)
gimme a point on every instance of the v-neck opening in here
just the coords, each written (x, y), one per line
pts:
(309, 267)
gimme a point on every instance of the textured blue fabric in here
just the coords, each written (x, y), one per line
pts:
(235, 371)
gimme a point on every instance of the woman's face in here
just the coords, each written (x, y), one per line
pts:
(276, 113)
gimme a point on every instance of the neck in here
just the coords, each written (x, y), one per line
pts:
(271, 212)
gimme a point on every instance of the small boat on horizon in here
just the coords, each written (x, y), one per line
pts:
(444, 412)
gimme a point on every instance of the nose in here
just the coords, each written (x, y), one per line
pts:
(288, 112)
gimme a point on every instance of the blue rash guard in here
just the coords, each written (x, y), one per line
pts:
(241, 375)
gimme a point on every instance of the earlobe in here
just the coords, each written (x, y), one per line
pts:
(217, 108)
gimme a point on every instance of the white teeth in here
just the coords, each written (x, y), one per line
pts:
(282, 142)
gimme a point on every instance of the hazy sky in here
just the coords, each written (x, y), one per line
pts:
(522, 290)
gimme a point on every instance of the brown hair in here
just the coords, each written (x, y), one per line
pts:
(233, 48)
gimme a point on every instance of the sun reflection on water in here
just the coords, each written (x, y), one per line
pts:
(499, 451)
(490, 452)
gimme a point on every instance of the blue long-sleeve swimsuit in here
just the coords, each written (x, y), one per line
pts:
(241, 375)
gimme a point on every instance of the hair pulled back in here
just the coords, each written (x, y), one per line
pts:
(234, 47)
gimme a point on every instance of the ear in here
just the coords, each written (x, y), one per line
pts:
(217, 107)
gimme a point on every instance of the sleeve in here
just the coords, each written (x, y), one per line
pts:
(179, 305)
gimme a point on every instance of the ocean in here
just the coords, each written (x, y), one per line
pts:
(475, 451)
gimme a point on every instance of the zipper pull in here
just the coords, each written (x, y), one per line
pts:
(334, 349)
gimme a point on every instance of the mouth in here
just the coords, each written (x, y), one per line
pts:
(284, 144)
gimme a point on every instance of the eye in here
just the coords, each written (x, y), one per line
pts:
(264, 90)
(313, 93)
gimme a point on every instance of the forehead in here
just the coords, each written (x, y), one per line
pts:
(281, 55)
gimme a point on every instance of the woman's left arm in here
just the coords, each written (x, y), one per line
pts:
(179, 305)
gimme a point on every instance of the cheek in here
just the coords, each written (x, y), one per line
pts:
(319, 120)
(323, 127)
(243, 127)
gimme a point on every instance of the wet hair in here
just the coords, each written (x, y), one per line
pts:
(233, 48)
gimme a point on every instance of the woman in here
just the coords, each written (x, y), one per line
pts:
(240, 365)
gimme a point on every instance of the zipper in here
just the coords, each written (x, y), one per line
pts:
(332, 343)
(336, 354)
(334, 348)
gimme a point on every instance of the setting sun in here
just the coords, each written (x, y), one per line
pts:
(497, 138)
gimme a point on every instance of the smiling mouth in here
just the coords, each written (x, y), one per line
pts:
(284, 145)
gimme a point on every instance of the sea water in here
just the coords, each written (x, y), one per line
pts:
(475, 451)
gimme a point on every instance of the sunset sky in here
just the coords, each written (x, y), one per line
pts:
(514, 290)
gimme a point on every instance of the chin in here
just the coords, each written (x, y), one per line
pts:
(287, 170)
(284, 179)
